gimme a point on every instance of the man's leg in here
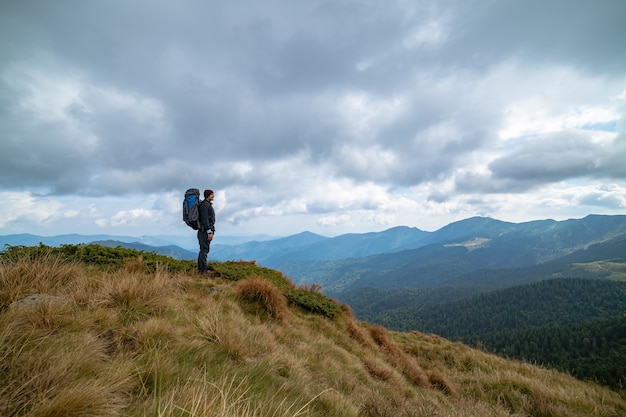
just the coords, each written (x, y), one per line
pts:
(203, 241)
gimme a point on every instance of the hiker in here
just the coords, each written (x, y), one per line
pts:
(206, 219)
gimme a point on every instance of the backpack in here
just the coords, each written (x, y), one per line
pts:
(190, 208)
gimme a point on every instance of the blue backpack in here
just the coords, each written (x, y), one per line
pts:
(190, 208)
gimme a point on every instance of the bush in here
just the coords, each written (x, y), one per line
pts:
(100, 256)
(313, 302)
(237, 270)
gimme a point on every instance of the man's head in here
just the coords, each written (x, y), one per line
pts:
(208, 194)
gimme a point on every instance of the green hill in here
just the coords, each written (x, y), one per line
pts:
(93, 331)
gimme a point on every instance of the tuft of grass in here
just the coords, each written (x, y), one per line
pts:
(398, 357)
(442, 382)
(358, 333)
(25, 275)
(258, 289)
(135, 296)
(382, 370)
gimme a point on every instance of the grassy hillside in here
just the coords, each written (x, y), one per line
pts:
(93, 331)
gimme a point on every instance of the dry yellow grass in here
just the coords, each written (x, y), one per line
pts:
(398, 357)
(132, 343)
(259, 289)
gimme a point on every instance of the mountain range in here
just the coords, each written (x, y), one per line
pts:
(461, 254)
(466, 253)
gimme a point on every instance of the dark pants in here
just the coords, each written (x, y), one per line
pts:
(205, 247)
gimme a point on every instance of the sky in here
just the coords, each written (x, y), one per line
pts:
(329, 116)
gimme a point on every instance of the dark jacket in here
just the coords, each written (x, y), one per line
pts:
(206, 215)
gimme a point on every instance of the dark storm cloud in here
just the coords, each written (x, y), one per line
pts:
(550, 158)
(577, 33)
(559, 156)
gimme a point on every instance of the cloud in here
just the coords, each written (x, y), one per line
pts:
(561, 156)
(335, 115)
(124, 218)
(25, 208)
(606, 196)
(549, 157)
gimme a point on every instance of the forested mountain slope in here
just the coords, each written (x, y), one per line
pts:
(593, 350)
(555, 302)
(576, 325)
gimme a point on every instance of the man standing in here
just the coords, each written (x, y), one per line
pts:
(206, 215)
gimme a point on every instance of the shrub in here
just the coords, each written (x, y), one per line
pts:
(313, 302)
(103, 257)
(237, 270)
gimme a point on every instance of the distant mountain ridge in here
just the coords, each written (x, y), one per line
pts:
(149, 244)
(540, 240)
(188, 242)
(400, 257)
(172, 251)
(458, 249)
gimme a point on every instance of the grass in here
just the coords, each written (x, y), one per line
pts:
(133, 335)
(272, 299)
